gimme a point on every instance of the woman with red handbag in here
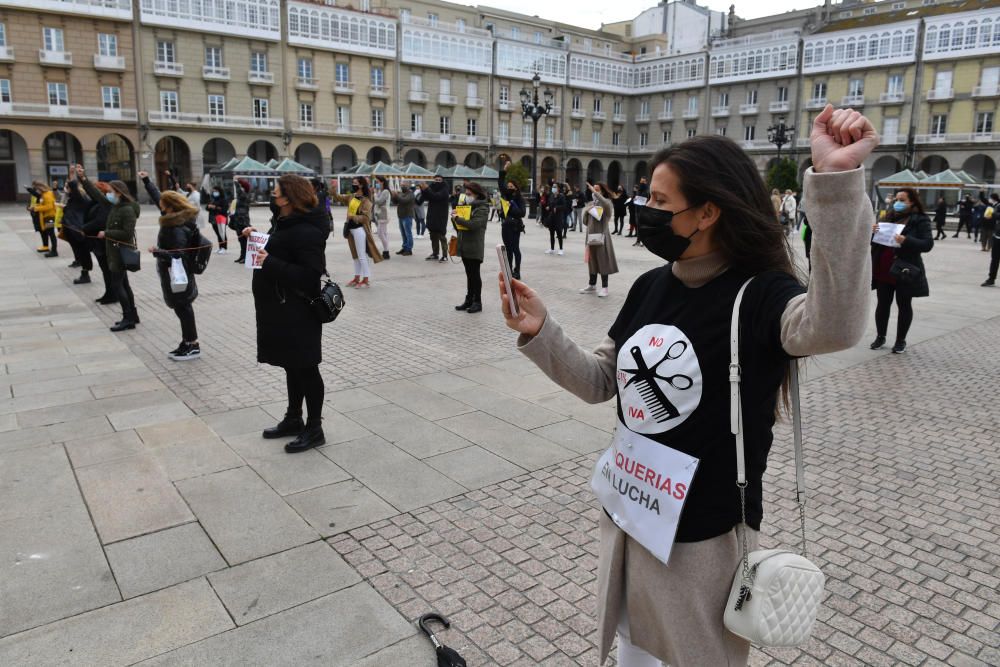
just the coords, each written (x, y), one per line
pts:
(218, 216)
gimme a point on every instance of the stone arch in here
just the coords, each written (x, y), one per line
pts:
(60, 150)
(216, 152)
(933, 164)
(263, 151)
(416, 156)
(886, 165)
(343, 158)
(445, 159)
(981, 167)
(172, 153)
(308, 155)
(474, 160)
(595, 171)
(378, 154)
(574, 172)
(641, 170)
(549, 168)
(15, 165)
(614, 174)
(116, 160)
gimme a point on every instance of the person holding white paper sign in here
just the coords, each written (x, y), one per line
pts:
(666, 359)
(897, 265)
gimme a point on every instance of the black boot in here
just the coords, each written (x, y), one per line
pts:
(290, 425)
(123, 325)
(477, 304)
(106, 300)
(878, 343)
(385, 254)
(83, 279)
(465, 304)
(311, 436)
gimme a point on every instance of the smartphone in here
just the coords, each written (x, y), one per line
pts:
(505, 267)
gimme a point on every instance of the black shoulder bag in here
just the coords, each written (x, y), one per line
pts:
(130, 255)
(327, 306)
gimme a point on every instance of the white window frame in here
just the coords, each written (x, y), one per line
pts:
(939, 124)
(984, 122)
(305, 69)
(749, 132)
(216, 107)
(307, 114)
(166, 51)
(416, 122)
(169, 102)
(107, 45)
(471, 127)
(258, 62)
(5, 96)
(343, 116)
(261, 107)
(111, 97)
(378, 120)
(503, 131)
(53, 39)
(444, 124)
(59, 92)
(344, 68)
(377, 76)
(504, 94)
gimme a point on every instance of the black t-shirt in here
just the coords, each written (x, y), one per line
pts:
(672, 343)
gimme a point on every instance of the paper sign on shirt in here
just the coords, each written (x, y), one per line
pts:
(643, 485)
(886, 234)
(639, 201)
(256, 242)
(505, 205)
(596, 212)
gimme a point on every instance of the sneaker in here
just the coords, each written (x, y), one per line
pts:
(187, 352)
(406, 253)
(989, 283)
(603, 292)
(240, 260)
(431, 258)
(400, 252)
(443, 260)
(176, 350)
(220, 251)
(549, 252)
(385, 254)
(51, 253)
(588, 289)
(561, 251)
(878, 343)
(43, 248)
(899, 347)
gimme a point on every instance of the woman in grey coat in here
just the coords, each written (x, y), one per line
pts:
(381, 199)
(600, 249)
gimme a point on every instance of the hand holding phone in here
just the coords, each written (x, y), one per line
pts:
(507, 278)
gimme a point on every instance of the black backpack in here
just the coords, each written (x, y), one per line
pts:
(202, 254)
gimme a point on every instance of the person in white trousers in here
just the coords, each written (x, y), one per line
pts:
(382, 198)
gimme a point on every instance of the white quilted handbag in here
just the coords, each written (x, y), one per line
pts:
(775, 596)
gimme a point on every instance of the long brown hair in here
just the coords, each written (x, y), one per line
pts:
(916, 206)
(715, 169)
(299, 192)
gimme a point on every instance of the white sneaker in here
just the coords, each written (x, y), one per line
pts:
(603, 292)
(588, 289)
(220, 251)
(549, 252)
(561, 252)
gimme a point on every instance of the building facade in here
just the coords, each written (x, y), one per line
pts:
(185, 85)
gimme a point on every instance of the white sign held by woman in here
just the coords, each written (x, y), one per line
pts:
(643, 485)
(255, 242)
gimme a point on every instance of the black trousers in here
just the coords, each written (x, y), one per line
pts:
(473, 281)
(307, 384)
(243, 245)
(220, 233)
(620, 223)
(80, 247)
(940, 231)
(604, 279)
(904, 304)
(102, 263)
(556, 231)
(185, 313)
(49, 237)
(994, 260)
(121, 290)
(964, 222)
(511, 237)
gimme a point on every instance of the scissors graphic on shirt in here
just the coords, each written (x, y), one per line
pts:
(645, 380)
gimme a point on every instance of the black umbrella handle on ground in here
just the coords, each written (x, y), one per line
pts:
(446, 657)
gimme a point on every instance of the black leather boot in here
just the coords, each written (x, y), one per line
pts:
(289, 426)
(475, 307)
(465, 304)
(311, 436)
(123, 325)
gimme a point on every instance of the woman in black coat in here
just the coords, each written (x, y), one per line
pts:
(940, 216)
(74, 217)
(288, 333)
(218, 205)
(240, 219)
(177, 238)
(511, 222)
(95, 221)
(555, 218)
(914, 239)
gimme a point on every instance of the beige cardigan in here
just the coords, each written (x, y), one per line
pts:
(831, 315)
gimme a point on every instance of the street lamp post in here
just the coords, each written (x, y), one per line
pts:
(780, 134)
(533, 109)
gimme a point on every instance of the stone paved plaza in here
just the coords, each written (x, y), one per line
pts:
(144, 520)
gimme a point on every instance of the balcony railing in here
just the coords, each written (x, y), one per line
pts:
(599, 115)
(891, 139)
(474, 102)
(939, 94)
(336, 128)
(853, 101)
(476, 139)
(816, 103)
(802, 142)
(419, 96)
(720, 112)
(168, 68)
(448, 100)
(957, 138)
(665, 115)
(306, 83)
(169, 118)
(343, 87)
(448, 27)
(577, 113)
(691, 113)
(378, 91)
(264, 78)
(893, 97)
(642, 118)
(779, 106)
(555, 110)
(749, 109)
(6, 54)
(60, 111)
(986, 91)
(211, 73)
(756, 144)
(505, 105)
(618, 117)
(113, 63)
(55, 58)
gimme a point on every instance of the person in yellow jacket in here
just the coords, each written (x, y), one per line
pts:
(45, 207)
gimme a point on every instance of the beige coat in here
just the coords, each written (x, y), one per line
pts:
(364, 217)
(675, 612)
(601, 258)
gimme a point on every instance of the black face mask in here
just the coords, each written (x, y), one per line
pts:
(273, 205)
(657, 233)
(355, 187)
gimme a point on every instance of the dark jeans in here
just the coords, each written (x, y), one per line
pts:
(102, 262)
(121, 290)
(80, 247)
(986, 234)
(940, 231)
(473, 281)
(964, 222)
(604, 279)
(994, 260)
(904, 304)
(49, 237)
(305, 383)
(556, 231)
(511, 236)
(620, 223)
(189, 331)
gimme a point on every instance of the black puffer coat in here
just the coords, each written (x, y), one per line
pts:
(177, 230)
(288, 334)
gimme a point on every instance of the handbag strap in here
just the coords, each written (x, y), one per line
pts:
(736, 428)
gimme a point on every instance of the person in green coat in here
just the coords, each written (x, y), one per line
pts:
(122, 211)
(471, 244)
